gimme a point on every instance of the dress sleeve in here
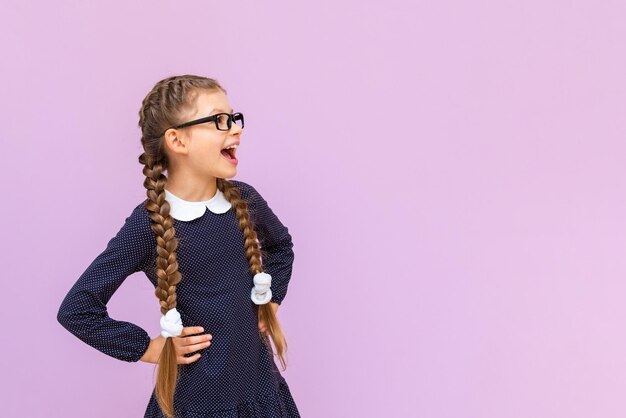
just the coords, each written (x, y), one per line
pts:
(275, 240)
(83, 311)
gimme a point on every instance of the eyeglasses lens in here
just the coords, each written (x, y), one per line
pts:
(223, 121)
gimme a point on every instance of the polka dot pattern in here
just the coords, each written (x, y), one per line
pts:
(236, 375)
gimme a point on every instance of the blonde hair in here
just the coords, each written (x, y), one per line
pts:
(164, 106)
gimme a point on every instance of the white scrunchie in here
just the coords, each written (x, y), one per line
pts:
(261, 292)
(171, 324)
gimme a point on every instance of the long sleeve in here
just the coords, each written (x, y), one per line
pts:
(83, 311)
(274, 239)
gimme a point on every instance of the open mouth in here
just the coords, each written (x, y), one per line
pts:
(229, 154)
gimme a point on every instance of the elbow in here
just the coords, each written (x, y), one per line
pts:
(64, 316)
(287, 242)
(79, 312)
(68, 315)
(74, 322)
(290, 249)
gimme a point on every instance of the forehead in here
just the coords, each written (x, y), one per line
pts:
(208, 102)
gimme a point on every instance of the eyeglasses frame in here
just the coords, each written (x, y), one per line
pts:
(212, 118)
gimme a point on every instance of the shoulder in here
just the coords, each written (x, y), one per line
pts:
(135, 239)
(246, 190)
(139, 214)
(249, 193)
(138, 223)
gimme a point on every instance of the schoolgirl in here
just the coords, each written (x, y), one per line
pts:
(219, 258)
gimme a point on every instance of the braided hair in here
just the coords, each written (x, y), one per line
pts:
(164, 106)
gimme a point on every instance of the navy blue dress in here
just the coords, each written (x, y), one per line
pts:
(235, 376)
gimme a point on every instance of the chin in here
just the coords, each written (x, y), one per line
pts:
(225, 174)
(233, 173)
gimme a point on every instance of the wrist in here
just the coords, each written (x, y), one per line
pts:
(153, 352)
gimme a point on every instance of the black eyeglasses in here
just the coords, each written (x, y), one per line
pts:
(223, 121)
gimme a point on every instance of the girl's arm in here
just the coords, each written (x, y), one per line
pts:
(83, 311)
(275, 240)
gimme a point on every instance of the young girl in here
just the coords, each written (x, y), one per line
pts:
(219, 258)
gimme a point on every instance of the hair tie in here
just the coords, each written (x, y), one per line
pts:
(261, 292)
(171, 324)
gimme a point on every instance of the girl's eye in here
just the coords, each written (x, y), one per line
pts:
(222, 121)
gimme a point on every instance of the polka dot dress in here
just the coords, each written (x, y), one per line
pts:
(236, 376)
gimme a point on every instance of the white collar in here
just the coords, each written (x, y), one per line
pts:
(185, 210)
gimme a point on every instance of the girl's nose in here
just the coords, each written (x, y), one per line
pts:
(235, 129)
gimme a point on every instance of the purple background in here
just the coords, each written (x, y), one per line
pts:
(452, 173)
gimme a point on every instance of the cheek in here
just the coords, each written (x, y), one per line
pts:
(215, 150)
(212, 149)
(210, 155)
(214, 145)
(208, 147)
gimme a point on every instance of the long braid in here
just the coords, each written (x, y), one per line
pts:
(162, 225)
(162, 107)
(254, 254)
(167, 273)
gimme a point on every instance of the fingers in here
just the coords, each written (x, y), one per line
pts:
(188, 337)
(191, 344)
(181, 350)
(196, 339)
(187, 342)
(191, 331)
(187, 360)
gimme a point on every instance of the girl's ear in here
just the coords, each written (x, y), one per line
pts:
(175, 143)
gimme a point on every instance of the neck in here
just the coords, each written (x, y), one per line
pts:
(190, 187)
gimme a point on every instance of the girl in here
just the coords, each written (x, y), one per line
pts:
(219, 258)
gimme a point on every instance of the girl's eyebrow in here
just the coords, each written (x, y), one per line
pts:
(220, 110)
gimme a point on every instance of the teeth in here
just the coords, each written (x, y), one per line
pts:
(232, 146)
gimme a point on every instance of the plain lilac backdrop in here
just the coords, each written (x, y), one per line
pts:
(452, 173)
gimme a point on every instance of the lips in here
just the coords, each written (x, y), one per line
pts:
(228, 153)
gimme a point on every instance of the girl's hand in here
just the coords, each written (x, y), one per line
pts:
(185, 343)
(262, 326)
